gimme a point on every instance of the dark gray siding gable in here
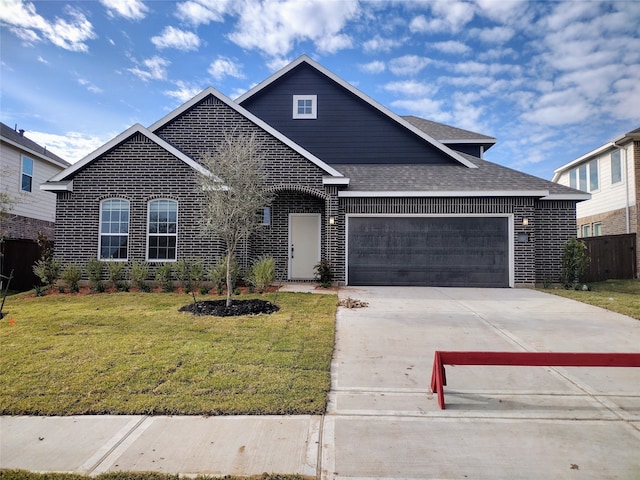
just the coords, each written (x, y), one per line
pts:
(347, 129)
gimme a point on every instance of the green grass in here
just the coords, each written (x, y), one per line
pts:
(134, 353)
(622, 296)
(25, 475)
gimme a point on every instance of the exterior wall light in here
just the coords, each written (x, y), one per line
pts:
(332, 220)
(525, 222)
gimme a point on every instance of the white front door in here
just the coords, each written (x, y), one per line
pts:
(304, 245)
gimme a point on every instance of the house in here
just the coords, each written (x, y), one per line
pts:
(24, 165)
(387, 200)
(611, 174)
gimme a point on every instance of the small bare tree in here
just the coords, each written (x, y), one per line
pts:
(234, 193)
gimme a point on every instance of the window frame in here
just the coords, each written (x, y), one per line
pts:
(265, 216)
(619, 163)
(582, 177)
(585, 230)
(149, 235)
(314, 107)
(596, 229)
(102, 234)
(24, 174)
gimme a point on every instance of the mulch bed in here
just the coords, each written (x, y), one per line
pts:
(218, 308)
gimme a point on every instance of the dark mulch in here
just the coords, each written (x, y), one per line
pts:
(218, 308)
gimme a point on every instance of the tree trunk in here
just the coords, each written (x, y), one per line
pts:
(229, 279)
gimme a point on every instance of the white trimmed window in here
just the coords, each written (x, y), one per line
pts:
(586, 230)
(585, 177)
(114, 229)
(597, 229)
(616, 167)
(162, 230)
(305, 106)
(26, 179)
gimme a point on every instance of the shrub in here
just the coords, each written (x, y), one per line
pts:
(323, 273)
(139, 274)
(262, 273)
(47, 270)
(71, 275)
(218, 274)
(163, 276)
(574, 262)
(190, 274)
(116, 274)
(94, 274)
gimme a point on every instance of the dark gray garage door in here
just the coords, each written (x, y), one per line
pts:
(430, 251)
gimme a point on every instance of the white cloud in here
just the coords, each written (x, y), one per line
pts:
(424, 107)
(494, 34)
(25, 22)
(446, 16)
(224, 67)
(451, 46)
(558, 108)
(496, 53)
(410, 88)
(273, 27)
(89, 86)
(408, 64)
(379, 44)
(172, 37)
(334, 43)
(130, 9)
(203, 12)
(184, 92)
(72, 146)
(373, 67)
(155, 68)
(502, 11)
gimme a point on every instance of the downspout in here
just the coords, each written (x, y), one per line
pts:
(623, 152)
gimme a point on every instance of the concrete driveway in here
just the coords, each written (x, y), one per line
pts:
(500, 422)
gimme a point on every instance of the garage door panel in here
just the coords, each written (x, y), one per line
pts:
(437, 251)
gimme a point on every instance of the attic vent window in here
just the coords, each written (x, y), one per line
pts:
(305, 106)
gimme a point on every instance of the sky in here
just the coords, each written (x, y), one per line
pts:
(551, 80)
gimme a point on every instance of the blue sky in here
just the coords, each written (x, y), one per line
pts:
(550, 80)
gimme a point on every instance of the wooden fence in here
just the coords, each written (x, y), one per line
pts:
(612, 256)
(19, 256)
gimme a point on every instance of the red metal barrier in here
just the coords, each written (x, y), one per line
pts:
(528, 359)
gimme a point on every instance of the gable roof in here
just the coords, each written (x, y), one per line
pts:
(62, 181)
(362, 96)
(615, 143)
(488, 180)
(448, 134)
(252, 118)
(17, 139)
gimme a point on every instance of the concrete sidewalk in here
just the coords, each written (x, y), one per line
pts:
(382, 421)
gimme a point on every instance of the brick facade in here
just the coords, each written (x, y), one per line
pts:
(26, 228)
(139, 170)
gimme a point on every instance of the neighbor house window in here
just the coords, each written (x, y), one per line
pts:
(616, 167)
(162, 230)
(586, 230)
(597, 229)
(114, 229)
(305, 106)
(585, 177)
(27, 175)
(593, 176)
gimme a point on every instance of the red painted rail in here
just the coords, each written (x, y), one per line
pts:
(529, 359)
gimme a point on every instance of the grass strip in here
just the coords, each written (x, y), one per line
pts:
(621, 296)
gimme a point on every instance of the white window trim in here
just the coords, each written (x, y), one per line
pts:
(22, 173)
(161, 260)
(100, 234)
(587, 166)
(622, 172)
(314, 107)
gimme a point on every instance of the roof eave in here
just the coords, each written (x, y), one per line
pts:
(446, 193)
(57, 186)
(32, 152)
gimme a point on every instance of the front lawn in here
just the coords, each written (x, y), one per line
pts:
(622, 296)
(134, 353)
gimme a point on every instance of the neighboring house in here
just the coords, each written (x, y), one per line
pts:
(611, 174)
(387, 200)
(24, 165)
